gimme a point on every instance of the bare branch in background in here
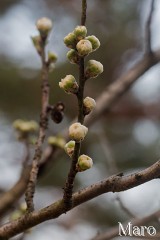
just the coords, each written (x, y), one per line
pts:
(148, 47)
(114, 183)
(113, 232)
(112, 166)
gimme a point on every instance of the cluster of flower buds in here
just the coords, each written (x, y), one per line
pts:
(77, 133)
(56, 141)
(82, 45)
(24, 128)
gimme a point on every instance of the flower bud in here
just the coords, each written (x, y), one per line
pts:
(84, 47)
(44, 26)
(69, 148)
(77, 131)
(89, 104)
(37, 43)
(84, 163)
(52, 57)
(69, 84)
(73, 57)
(94, 41)
(80, 32)
(25, 126)
(93, 69)
(56, 141)
(70, 40)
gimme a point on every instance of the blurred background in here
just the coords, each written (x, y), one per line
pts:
(127, 139)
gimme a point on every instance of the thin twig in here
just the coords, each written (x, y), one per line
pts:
(42, 132)
(84, 10)
(68, 189)
(148, 29)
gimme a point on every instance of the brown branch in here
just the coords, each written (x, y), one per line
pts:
(42, 132)
(84, 10)
(109, 97)
(114, 183)
(118, 88)
(148, 29)
(68, 189)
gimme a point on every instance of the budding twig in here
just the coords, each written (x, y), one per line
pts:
(73, 171)
(43, 29)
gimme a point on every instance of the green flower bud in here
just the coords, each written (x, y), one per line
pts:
(25, 126)
(52, 57)
(72, 56)
(69, 84)
(77, 131)
(80, 32)
(37, 43)
(93, 69)
(89, 104)
(23, 207)
(84, 47)
(15, 215)
(56, 141)
(84, 163)
(69, 148)
(70, 40)
(94, 41)
(44, 26)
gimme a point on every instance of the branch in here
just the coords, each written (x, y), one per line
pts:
(114, 183)
(42, 131)
(148, 29)
(68, 189)
(119, 87)
(113, 232)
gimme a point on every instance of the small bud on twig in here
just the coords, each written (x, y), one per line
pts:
(73, 57)
(93, 69)
(56, 141)
(69, 148)
(77, 131)
(84, 163)
(70, 40)
(44, 26)
(37, 43)
(80, 32)
(89, 104)
(94, 41)
(84, 47)
(69, 84)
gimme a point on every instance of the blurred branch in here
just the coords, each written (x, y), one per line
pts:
(113, 232)
(112, 166)
(118, 88)
(42, 131)
(115, 183)
(10, 197)
(148, 28)
(124, 208)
